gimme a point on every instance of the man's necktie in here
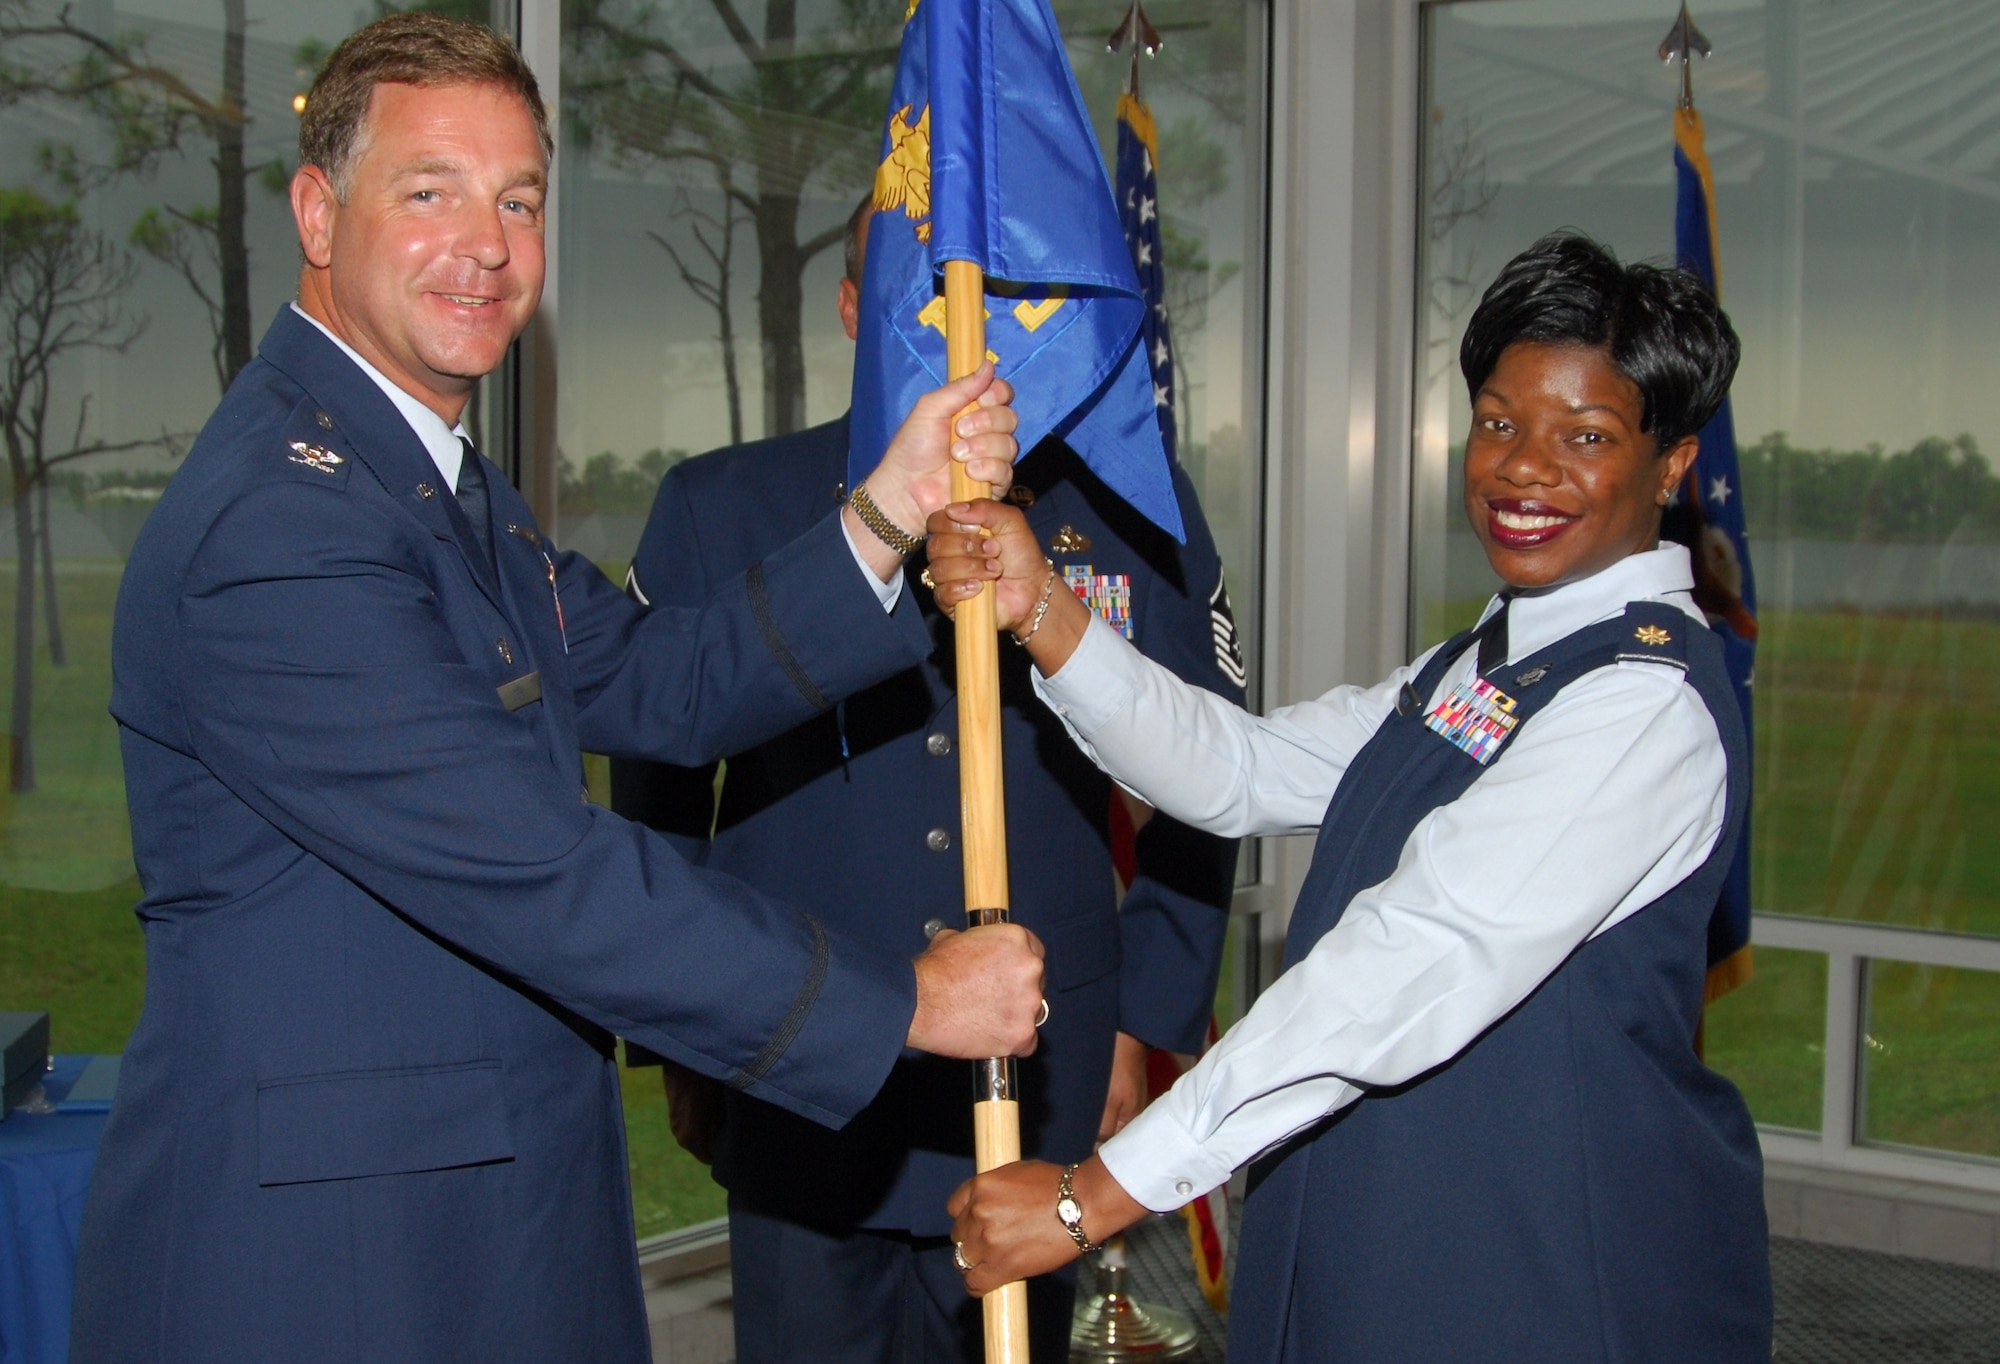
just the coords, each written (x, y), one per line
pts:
(1492, 637)
(472, 500)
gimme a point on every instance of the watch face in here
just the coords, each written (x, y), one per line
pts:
(1069, 1210)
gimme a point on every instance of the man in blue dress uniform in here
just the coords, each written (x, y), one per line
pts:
(370, 1111)
(837, 1240)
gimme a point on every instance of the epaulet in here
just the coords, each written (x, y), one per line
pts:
(1655, 633)
(309, 447)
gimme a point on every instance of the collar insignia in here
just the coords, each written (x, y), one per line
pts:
(1021, 495)
(315, 457)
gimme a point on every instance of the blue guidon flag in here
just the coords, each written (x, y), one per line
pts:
(1708, 518)
(988, 157)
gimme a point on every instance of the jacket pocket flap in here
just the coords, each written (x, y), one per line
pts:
(1080, 950)
(349, 1124)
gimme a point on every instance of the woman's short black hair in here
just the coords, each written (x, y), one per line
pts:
(1663, 328)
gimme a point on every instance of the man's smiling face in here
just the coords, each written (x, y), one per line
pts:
(432, 264)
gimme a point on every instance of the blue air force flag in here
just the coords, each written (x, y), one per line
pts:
(1139, 214)
(1709, 519)
(988, 157)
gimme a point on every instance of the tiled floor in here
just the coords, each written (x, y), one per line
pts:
(1898, 1216)
(690, 1320)
(1835, 1305)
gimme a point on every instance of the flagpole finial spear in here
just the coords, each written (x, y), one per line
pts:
(1685, 42)
(1135, 28)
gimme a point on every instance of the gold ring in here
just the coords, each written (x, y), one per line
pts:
(958, 1257)
(1043, 1016)
(926, 579)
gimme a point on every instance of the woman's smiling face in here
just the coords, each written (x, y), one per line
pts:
(1560, 482)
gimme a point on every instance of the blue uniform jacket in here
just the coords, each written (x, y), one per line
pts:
(854, 815)
(370, 1111)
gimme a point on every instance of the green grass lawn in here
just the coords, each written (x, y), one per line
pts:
(1878, 752)
(71, 833)
(1770, 1037)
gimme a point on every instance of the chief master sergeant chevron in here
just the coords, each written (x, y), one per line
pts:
(370, 1111)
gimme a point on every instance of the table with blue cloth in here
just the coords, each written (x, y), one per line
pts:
(45, 1161)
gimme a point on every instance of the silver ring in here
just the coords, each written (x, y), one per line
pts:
(1042, 1016)
(958, 1257)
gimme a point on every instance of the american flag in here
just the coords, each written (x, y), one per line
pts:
(1139, 214)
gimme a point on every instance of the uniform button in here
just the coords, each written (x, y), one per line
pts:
(506, 651)
(1184, 1189)
(938, 745)
(938, 840)
(325, 422)
(932, 927)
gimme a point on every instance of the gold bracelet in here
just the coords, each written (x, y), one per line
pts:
(1041, 607)
(877, 520)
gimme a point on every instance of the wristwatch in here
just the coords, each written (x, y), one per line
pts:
(1069, 1212)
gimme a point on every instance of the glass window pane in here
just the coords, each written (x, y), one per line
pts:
(1769, 1036)
(175, 248)
(1859, 263)
(1928, 1058)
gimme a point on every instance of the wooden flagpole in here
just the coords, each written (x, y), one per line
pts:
(996, 1112)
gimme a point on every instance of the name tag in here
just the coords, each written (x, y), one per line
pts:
(521, 691)
(1476, 718)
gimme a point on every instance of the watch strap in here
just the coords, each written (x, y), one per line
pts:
(1069, 1212)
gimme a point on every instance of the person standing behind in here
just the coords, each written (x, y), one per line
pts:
(837, 1239)
(369, 1112)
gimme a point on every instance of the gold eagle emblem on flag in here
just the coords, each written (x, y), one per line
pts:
(903, 180)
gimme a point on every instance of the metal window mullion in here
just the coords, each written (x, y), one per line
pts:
(1846, 981)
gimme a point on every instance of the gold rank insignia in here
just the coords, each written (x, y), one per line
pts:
(903, 180)
(315, 457)
(1021, 495)
(1070, 540)
(1652, 634)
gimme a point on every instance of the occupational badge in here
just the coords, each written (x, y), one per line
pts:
(1108, 594)
(315, 457)
(1070, 540)
(1476, 718)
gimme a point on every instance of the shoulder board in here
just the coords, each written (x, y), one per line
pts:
(1655, 633)
(309, 448)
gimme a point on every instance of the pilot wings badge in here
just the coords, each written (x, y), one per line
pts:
(903, 180)
(314, 457)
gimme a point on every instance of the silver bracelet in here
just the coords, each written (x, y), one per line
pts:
(1041, 607)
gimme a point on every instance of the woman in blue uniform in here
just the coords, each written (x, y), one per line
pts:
(1480, 1129)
